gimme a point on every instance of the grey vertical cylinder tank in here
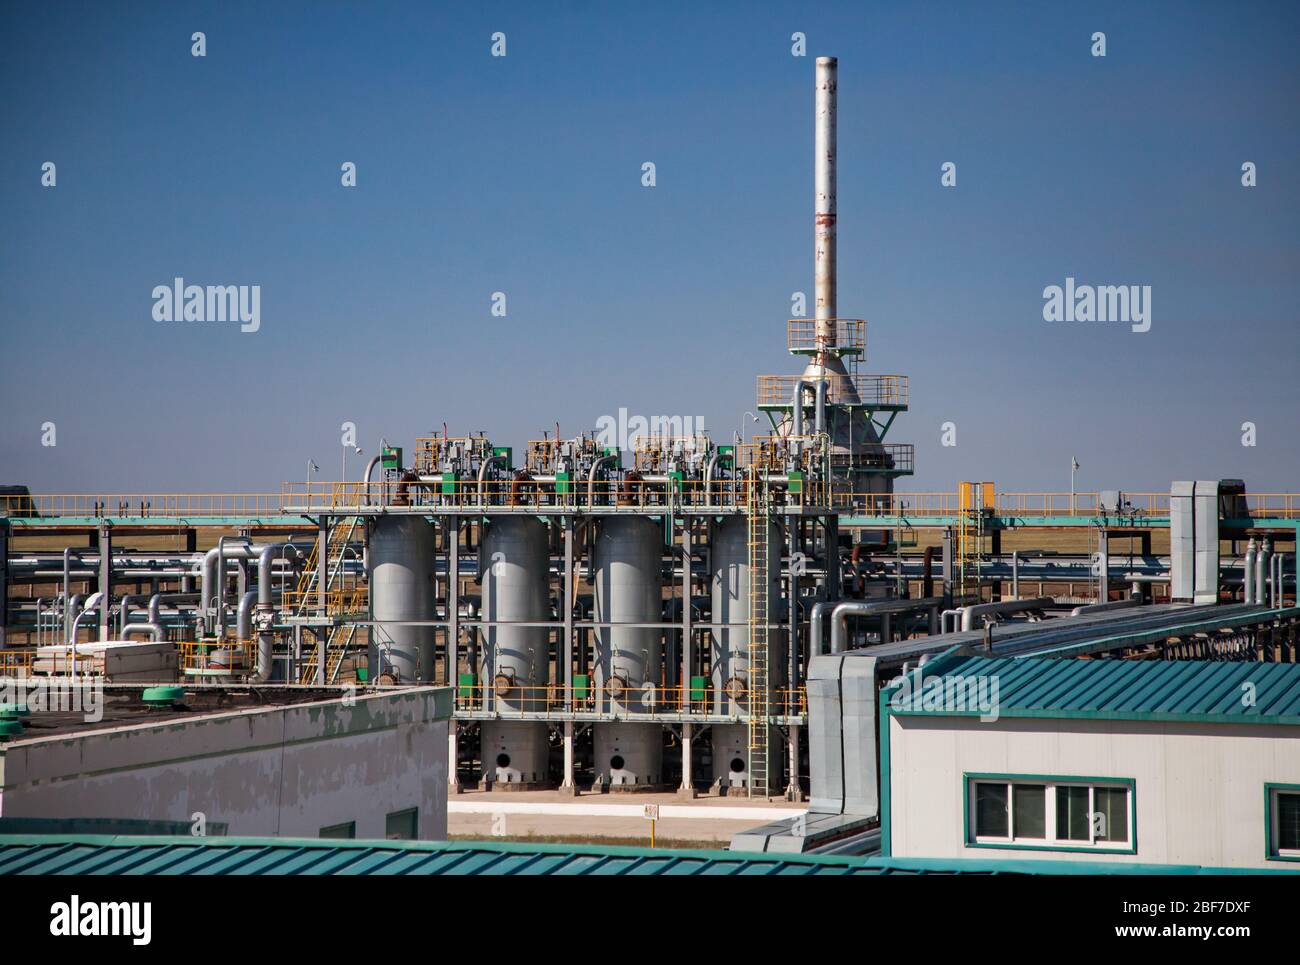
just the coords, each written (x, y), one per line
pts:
(400, 558)
(729, 590)
(513, 570)
(628, 588)
(515, 661)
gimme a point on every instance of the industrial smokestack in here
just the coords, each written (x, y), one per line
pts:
(824, 200)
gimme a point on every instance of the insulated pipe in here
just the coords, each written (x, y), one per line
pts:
(156, 601)
(67, 586)
(840, 619)
(266, 607)
(92, 604)
(824, 200)
(215, 559)
(796, 406)
(819, 610)
(370, 468)
(482, 474)
(124, 614)
(1261, 573)
(214, 567)
(970, 613)
(591, 479)
(244, 616)
(1248, 577)
(708, 476)
(823, 389)
(1103, 607)
(153, 629)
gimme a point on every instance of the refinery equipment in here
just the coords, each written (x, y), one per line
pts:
(662, 616)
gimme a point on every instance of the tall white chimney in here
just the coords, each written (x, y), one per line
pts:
(824, 200)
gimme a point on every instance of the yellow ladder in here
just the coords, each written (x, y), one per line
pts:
(756, 510)
(972, 499)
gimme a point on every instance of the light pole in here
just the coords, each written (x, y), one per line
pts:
(1074, 467)
(311, 468)
(357, 450)
(740, 436)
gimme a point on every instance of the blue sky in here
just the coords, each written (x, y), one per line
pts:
(522, 174)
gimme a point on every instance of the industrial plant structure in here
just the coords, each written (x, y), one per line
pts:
(646, 618)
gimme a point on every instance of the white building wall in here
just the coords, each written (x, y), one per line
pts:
(1199, 787)
(282, 771)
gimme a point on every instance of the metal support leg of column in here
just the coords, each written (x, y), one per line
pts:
(947, 566)
(688, 662)
(687, 790)
(453, 775)
(568, 786)
(1103, 566)
(566, 648)
(4, 586)
(453, 604)
(322, 595)
(105, 578)
(792, 614)
(793, 790)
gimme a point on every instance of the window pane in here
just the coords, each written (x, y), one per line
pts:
(1288, 821)
(401, 825)
(1112, 804)
(346, 830)
(1030, 810)
(1072, 814)
(991, 810)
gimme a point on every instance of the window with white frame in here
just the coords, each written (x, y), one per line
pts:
(1284, 822)
(1050, 813)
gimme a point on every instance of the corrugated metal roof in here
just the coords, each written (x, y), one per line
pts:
(110, 855)
(1129, 689)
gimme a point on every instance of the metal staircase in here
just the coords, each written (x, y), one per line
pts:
(334, 640)
(757, 500)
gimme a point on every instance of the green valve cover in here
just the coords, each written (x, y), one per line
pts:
(563, 482)
(11, 728)
(466, 681)
(448, 486)
(10, 711)
(697, 688)
(581, 686)
(796, 482)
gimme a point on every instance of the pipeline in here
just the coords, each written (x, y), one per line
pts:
(1104, 607)
(153, 629)
(370, 468)
(1261, 572)
(591, 478)
(1248, 577)
(979, 610)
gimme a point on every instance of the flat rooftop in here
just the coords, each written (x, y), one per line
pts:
(122, 706)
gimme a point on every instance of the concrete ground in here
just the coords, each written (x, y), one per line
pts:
(605, 818)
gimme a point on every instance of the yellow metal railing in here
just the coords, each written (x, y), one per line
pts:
(236, 657)
(142, 504)
(782, 702)
(17, 662)
(867, 390)
(339, 496)
(845, 335)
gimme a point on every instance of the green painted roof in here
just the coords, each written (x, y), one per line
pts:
(120, 855)
(1180, 690)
